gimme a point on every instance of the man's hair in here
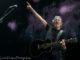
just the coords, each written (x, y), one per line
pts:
(57, 17)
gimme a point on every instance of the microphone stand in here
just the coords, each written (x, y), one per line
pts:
(6, 14)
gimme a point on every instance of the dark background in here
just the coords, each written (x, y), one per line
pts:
(16, 42)
(11, 43)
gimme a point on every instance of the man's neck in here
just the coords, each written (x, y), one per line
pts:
(58, 28)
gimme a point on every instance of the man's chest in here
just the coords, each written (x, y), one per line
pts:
(54, 35)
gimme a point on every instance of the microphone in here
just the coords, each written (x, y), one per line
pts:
(13, 6)
(7, 12)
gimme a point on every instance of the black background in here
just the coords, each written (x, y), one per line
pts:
(14, 43)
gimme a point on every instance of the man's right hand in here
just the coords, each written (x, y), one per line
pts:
(28, 5)
(43, 21)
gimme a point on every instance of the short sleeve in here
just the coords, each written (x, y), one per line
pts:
(47, 27)
(63, 36)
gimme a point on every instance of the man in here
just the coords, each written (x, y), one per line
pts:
(52, 34)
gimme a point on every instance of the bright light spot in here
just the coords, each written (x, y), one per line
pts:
(12, 25)
(66, 9)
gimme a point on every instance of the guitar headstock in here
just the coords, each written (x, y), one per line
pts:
(72, 40)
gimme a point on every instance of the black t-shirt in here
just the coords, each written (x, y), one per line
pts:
(52, 33)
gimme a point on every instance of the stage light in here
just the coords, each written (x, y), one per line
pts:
(12, 25)
(66, 9)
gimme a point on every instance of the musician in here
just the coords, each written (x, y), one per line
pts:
(56, 25)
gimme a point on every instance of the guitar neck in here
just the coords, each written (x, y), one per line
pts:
(46, 45)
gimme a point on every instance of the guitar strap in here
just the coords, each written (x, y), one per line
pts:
(49, 36)
(59, 34)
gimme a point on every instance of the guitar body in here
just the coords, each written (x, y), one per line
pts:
(36, 50)
(38, 47)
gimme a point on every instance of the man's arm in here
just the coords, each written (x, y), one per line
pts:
(43, 21)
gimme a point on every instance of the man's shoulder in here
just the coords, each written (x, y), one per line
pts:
(48, 26)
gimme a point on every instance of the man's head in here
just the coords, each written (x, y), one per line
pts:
(57, 22)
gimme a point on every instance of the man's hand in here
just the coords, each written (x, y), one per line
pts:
(28, 5)
(63, 45)
(43, 21)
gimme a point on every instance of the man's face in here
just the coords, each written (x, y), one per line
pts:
(57, 23)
